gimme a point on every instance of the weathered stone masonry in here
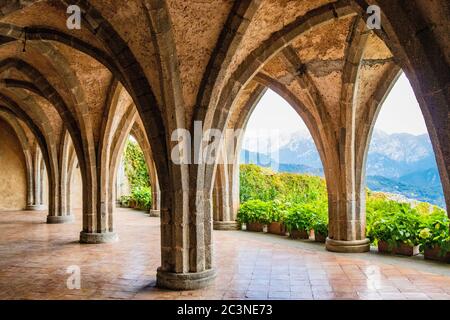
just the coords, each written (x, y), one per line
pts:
(147, 68)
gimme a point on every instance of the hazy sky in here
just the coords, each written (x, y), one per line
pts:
(399, 113)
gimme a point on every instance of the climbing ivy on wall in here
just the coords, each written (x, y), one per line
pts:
(135, 166)
(138, 177)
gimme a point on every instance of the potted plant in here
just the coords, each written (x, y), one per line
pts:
(435, 237)
(299, 220)
(278, 214)
(124, 201)
(397, 232)
(320, 227)
(142, 197)
(255, 214)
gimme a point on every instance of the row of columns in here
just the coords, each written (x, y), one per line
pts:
(35, 181)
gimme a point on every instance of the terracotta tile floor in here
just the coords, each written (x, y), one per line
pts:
(34, 258)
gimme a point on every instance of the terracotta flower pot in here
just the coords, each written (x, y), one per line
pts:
(434, 253)
(407, 250)
(318, 237)
(383, 247)
(255, 227)
(399, 248)
(299, 234)
(277, 228)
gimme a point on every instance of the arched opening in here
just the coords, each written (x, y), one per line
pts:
(133, 185)
(279, 174)
(405, 198)
(401, 159)
(136, 184)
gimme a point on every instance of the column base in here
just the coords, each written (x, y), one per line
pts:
(184, 281)
(60, 219)
(226, 225)
(354, 246)
(39, 207)
(106, 237)
(155, 213)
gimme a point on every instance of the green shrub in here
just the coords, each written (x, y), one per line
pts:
(125, 201)
(320, 222)
(257, 183)
(435, 230)
(138, 177)
(278, 211)
(255, 211)
(301, 202)
(143, 197)
(299, 217)
(135, 166)
(264, 184)
(393, 227)
(301, 188)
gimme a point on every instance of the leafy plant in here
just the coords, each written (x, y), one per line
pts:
(255, 211)
(402, 226)
(143, 197)
(138, 177)
(257, 183)
(125, 201)
(299, 217)
(435, 231)
(135, 166)
(278, 211)
(320, 224)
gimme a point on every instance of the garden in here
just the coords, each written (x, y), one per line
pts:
(297, 205)
(138, 178)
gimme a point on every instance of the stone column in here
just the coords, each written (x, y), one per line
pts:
(223, 213)
(155, 211)
(37, 181)
(63, 214)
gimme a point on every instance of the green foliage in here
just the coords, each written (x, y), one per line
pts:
(300, 202)
(138, 177)
(320, 221)
(435, 230)
(307, 216)
(264, 184)
(301, 188)
(143, 197)
(278, 211)
(135, 166)
(400, 223)
(392, 221)
(254, 211)
(125, 201)
(257, 183)
(294, 199)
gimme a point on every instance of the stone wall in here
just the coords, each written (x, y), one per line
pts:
(13, 187)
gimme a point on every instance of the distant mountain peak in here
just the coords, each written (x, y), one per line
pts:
(406, 160)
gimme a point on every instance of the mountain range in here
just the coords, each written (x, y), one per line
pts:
(398, 163)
